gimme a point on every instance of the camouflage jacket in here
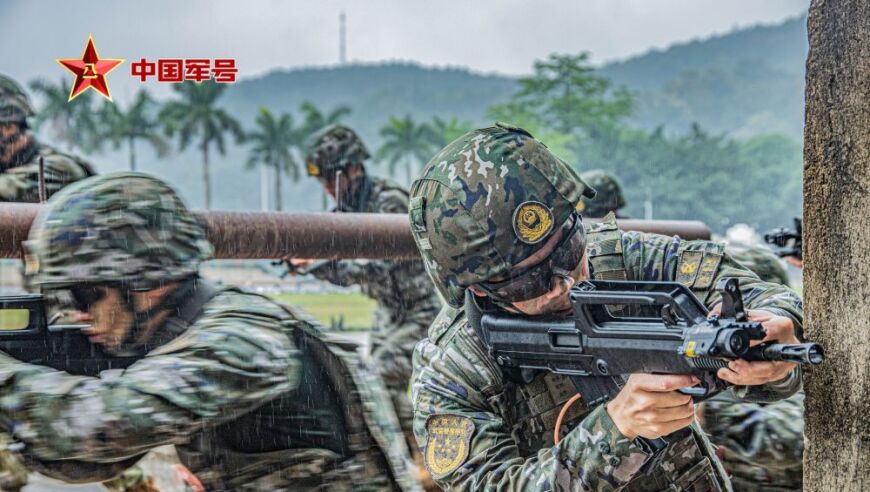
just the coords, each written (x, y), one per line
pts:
(402, 289)
(761, 444)
(481, 430)
(246, 390)
(19, 182)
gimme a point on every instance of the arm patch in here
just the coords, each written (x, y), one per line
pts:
(448, 443)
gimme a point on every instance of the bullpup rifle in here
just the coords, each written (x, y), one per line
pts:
(625, 327)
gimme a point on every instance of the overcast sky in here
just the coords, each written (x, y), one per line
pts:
(484, 35)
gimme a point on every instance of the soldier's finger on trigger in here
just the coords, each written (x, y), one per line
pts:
(670, 399)
(661, 383)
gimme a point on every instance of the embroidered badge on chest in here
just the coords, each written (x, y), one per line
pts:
(448, 444)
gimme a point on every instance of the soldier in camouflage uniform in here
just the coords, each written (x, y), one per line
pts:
(19, 182)
(407, 302)
(761, 444)
(609, 196)
(250, 393)
(20, 152)
(493, 215)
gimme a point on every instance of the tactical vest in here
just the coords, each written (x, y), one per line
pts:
(324, 433)
(695, 269)
(532, 408)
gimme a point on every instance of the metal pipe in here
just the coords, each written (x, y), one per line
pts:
(267, 235)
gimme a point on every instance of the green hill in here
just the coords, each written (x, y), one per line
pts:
(374, 92)
(744, 83)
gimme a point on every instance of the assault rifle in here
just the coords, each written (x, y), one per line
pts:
(620, 328)
(787, 242)
(26, 335)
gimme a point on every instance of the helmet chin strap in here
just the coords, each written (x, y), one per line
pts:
(131, 346)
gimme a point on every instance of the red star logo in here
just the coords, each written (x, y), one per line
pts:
(90, 71)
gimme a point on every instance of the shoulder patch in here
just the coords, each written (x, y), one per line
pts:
(708, 269)
(449, 440)
(687, 267)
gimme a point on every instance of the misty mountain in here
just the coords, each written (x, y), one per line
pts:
(748, 82)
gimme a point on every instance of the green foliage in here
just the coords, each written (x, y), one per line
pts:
(443, 131)
(744, 83)
(139, 122)
(71, 122)
(405, 141)
(699, 176)
(196, 115)
(564, 95)
(316, 119)
(272, 144)
(353, 311)
(711, 178)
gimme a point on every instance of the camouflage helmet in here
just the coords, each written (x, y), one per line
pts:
(486, 202)
(14, 104)
(760, 260)
(333, 147)
(608, 194)
(123, 227)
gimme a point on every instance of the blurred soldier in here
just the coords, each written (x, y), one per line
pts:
(788, 243)
(761, 444)
(19, 182)
(493, 215)
(407, 300)
(760, 260)
(20, 152)
(247, 390)
(608, 195)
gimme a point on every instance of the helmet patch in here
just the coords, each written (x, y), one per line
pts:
(313, 170)
(532, 222)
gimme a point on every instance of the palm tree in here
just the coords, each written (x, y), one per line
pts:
(446, 131)
(314, 119)
(196, 115)
(405, 141)
(138, 122)
(273, 142)
(72, 122)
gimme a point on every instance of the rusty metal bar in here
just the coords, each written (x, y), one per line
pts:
(264, 235)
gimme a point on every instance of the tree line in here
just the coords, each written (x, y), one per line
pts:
(276, 141)
(579, 114)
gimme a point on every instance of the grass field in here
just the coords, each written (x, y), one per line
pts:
(356, 308)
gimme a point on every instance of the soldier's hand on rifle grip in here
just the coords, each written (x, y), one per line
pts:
(649, 405)
(741, 372)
